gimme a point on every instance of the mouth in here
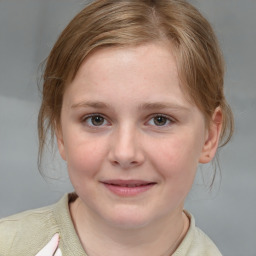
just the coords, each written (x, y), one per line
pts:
(126, 188)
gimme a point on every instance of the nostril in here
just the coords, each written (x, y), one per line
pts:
(124, 158)
(124, 164)
(115, 163)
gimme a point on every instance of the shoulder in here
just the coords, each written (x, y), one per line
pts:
(25, 233)
(203, 244)
(196, 242)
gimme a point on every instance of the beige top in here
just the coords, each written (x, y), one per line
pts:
(26, 233)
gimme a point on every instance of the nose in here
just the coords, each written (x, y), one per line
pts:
(126, 149)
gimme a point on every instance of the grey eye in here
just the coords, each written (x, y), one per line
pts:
(160, 120)
(97, 120)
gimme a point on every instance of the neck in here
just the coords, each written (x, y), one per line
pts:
(98, 238)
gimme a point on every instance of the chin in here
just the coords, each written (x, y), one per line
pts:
(129, 218)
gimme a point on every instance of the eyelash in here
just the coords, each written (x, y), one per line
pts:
(169, 120)
(89, 117)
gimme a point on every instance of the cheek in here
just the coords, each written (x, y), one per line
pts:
(84, 158)
(176, 158)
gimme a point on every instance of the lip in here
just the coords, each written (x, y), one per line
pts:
(128, 188)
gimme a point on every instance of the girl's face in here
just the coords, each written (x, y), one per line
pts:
(131, 140)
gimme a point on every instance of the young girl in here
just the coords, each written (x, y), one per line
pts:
(133, 93)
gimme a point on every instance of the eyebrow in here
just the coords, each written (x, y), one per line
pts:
(92, 104)
(143, 106)
(162, 105)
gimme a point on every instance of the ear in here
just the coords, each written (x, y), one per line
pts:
(60, 141)
(212, 137)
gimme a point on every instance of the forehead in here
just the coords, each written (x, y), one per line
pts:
(141, 71)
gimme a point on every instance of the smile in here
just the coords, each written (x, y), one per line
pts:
(128, 188)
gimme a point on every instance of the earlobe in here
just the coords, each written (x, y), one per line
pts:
(212, 137)
(60, 142)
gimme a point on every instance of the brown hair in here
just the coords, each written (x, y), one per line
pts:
(106, 23)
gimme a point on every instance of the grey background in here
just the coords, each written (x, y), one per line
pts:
(28, 29)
